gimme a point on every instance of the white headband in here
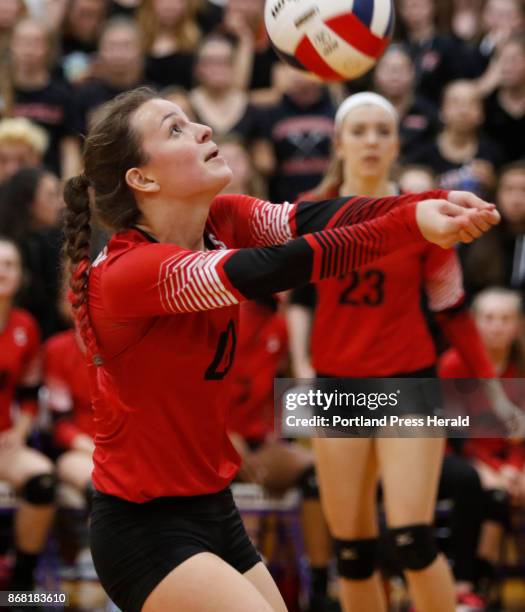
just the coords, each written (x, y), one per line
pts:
(360, 99)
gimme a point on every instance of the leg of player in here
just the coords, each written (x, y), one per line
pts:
(410, 469)
(347, 472)
(75, 467)
(32, 475)
(182, 589)
(288, 465)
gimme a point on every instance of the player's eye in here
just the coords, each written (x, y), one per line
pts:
(175, 129)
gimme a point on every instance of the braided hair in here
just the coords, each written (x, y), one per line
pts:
(111, 147)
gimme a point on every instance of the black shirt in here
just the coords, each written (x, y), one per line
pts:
(453, 175)
(439, 60)
(172, 69)
(302, 142)
(52, 107)
(508, 130)
(419, 124)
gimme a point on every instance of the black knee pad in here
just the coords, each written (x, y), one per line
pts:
(356, 559)
(414, 546)
(40, 490)
(308, 485)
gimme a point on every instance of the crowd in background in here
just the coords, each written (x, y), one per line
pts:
(455, 74)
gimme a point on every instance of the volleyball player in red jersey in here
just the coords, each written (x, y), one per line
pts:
(369, 323)
(67, 384)
(500, 462)
(27, 470)
(157, 312)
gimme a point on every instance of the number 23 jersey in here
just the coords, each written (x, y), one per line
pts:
(370, 322)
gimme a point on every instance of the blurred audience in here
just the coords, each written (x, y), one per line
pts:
(33, 92)
(461, 156)
(30, 208)
(394, 78)
(170, 35)
(22, 143)
(120, 66)
(298, 135)
(217, 100)
(499, 257)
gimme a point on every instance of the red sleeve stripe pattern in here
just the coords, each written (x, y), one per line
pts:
(344, 248)
(445, 287)
(271, 223)
(191, 283)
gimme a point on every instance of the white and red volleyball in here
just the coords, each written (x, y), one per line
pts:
(337, 40)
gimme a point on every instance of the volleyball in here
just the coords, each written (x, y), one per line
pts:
(337, 40)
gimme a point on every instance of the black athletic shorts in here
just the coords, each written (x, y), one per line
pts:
(418, 398)
(135, 546)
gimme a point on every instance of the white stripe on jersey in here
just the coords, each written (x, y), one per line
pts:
(270, 223)
(445, 287)
(190, 283)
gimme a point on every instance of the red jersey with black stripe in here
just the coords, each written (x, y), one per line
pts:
(19, 363)
(369, 322)
(67, 383)
(165, 323)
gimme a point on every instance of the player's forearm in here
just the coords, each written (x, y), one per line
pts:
(330, 253)
(315, 216)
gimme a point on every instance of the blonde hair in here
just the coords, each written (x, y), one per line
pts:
(186, 31)
(20, 129)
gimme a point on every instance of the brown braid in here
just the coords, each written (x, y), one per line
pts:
(110, 149)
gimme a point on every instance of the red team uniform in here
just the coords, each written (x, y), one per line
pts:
(67, 381)
(494, 452)
(19, 366)
(262, 346)
(165, 320)
(369, 323)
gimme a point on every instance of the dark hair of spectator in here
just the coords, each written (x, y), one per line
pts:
(110, 149)
(17, 199)
(515, 166)
(186, 31)
(443, 11)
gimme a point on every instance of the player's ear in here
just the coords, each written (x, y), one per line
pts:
(137, 180)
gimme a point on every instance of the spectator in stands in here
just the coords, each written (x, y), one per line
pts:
(33, 92)
(67, 383)
(250, 13)
(22, 143)
(501, 19)
(466, 19)
(79, 33)
(499, 462)
(461, 157)
(29, 472)
(297, 132)
(438, 57)
(11, 11)
(499, 258)
(29, 213)
(120, 67)
(505, 107)
(170, 36)
(217, 99)
(245, 178)
(415, 179)
(395, 77)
